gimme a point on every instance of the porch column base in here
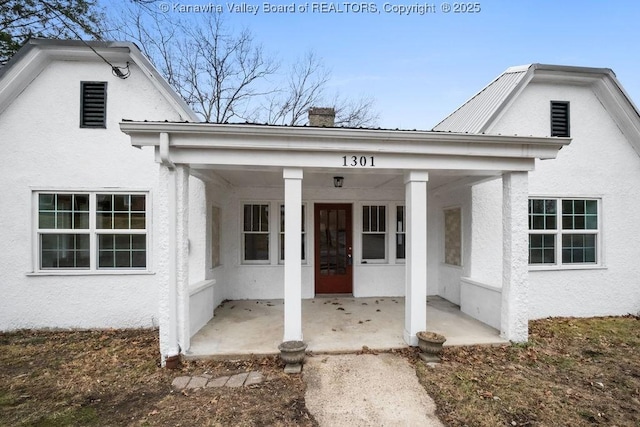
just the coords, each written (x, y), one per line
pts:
(292, 254)
(416, 255)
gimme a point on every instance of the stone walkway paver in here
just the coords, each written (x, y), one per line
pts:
(206, 380)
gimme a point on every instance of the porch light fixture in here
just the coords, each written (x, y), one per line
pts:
(337, 181)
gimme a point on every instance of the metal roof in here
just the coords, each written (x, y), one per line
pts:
(474, 115)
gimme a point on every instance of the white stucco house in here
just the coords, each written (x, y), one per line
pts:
(120, 209)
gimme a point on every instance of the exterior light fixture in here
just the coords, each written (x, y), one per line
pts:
(337, 181)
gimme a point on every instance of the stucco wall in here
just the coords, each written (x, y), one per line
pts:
(46, 149)
(449, 275)
(599, 163)
(486, 238)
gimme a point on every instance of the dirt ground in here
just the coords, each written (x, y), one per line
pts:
(577, 372)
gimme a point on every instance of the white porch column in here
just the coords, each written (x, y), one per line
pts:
(415, 304)
(171, 211)
(515, 269)
(181, 250)
(292, 254)
(165, 267)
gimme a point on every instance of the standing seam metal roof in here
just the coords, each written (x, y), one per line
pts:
(474, 114)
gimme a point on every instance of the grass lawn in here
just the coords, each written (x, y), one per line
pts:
(572, 372)
(113, 378)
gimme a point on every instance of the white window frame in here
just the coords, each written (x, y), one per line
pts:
(385, 233)
(92, 231)
(268, 233)
(304, 233)
(559, 232)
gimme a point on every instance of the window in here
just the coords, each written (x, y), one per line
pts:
(282, 233)
(560, 118)
(374, 233)
(73, 226)
(256, 232)
(63, 230)
(401, 241)
(93, 105)
(453, 236)
(563, 231)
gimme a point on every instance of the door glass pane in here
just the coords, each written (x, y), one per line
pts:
(333, 242)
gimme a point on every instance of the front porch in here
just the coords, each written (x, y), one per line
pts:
(248, 212)
(331, 324)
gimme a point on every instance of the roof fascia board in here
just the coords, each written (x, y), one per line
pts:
(18, 77)
(176, 101)
(307, 139)
(264, 158)
(623, 112)
(508, 101)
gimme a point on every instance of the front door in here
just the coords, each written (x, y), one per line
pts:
(333, 260)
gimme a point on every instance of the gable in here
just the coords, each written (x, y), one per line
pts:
(483, 112)
(38, 54)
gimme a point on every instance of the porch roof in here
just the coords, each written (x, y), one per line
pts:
(225, 145)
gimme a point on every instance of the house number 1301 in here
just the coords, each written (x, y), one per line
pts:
(358, 161)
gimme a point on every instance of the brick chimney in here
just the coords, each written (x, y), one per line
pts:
(322, 117)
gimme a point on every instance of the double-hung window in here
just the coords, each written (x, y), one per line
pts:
(63, 231)
(563, 231)
(91, 231)
(255, 231)
(374, 233)
(120, 229)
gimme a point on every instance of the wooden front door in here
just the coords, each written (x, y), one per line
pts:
(333, 243)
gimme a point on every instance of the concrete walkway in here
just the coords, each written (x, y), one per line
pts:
(366, 390)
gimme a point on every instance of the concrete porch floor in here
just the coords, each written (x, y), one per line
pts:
(332, 325)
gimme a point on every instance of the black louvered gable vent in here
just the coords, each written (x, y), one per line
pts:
(93, 109)
(560, 118)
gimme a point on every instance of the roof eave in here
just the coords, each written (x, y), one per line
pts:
(207, 135)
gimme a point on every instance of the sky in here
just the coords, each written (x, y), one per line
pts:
(422, 60)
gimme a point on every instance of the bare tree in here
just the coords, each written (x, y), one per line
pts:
(355, 112)
(223, 71)
(304, 88)
(218, 73)
(227, 76)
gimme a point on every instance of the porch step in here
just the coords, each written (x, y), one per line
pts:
(205, 380)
